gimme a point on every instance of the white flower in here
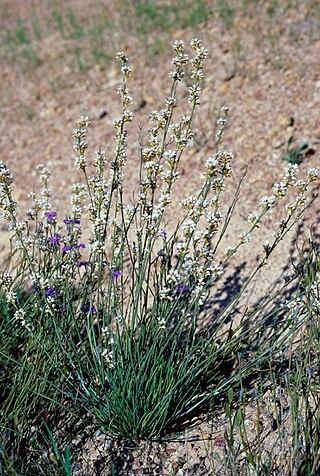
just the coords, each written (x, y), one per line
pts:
(11, 297)
(178, 46)
(229, 251)
(19, 314)
(162, 323)
(80, 162)
(245, 237)
(253, 218)
(312, 174)
(188, 228)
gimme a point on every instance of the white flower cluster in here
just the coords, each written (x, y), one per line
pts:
(78, 195)
(160, 161)
(8, 205)
(19, 315)
(116, 172)
(280, 191)
(187, 260)
(80, 144)
(6, 282)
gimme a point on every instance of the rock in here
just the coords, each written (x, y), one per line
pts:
(223, 88)
(226, 70)
(258, 94)
(284, 120)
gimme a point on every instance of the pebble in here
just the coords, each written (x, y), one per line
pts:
(226, 70)
(284, 120)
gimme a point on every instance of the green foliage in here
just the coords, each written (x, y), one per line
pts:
(151, 16)
(62, 458)
(20, 33)
(149, 21)
(226, 12)
(295, 155)
(98, 44)
(57, 16)
(287, 386)
(123, 328)
(141, 17)
(36, 27)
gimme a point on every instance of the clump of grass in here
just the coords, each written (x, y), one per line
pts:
(118, 326)
(148, 16)
(294, 155)
(19, 35)
(226, 11)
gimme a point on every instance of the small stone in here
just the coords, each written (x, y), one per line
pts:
(258, 94)
(223, 88)
(284, 120)
(106, 445)
(227, 70)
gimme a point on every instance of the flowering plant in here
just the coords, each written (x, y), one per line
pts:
(126, 317)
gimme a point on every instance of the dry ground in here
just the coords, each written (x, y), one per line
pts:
(265, 68)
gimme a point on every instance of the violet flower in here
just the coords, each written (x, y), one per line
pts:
(116, 274)
(86, 308)
(66, 248)
(163, 233)
(51, 215)
(68, 221)
(50, 292)
(83, 263)
(55, 239)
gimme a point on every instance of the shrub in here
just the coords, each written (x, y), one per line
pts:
(119, 325)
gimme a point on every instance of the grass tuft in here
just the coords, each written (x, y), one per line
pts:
(110, 316)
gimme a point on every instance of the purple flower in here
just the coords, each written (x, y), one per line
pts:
(116, 274)
(182, 288)
(66, 248)
(51, 215)
(72, 247)
(86, 308)
(83, 263)
(163, 233)
(67, 221)
(310, 371)
(55, 239)
(62, 309)
(50, 292)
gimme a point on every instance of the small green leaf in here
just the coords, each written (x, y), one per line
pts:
(230, 395)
